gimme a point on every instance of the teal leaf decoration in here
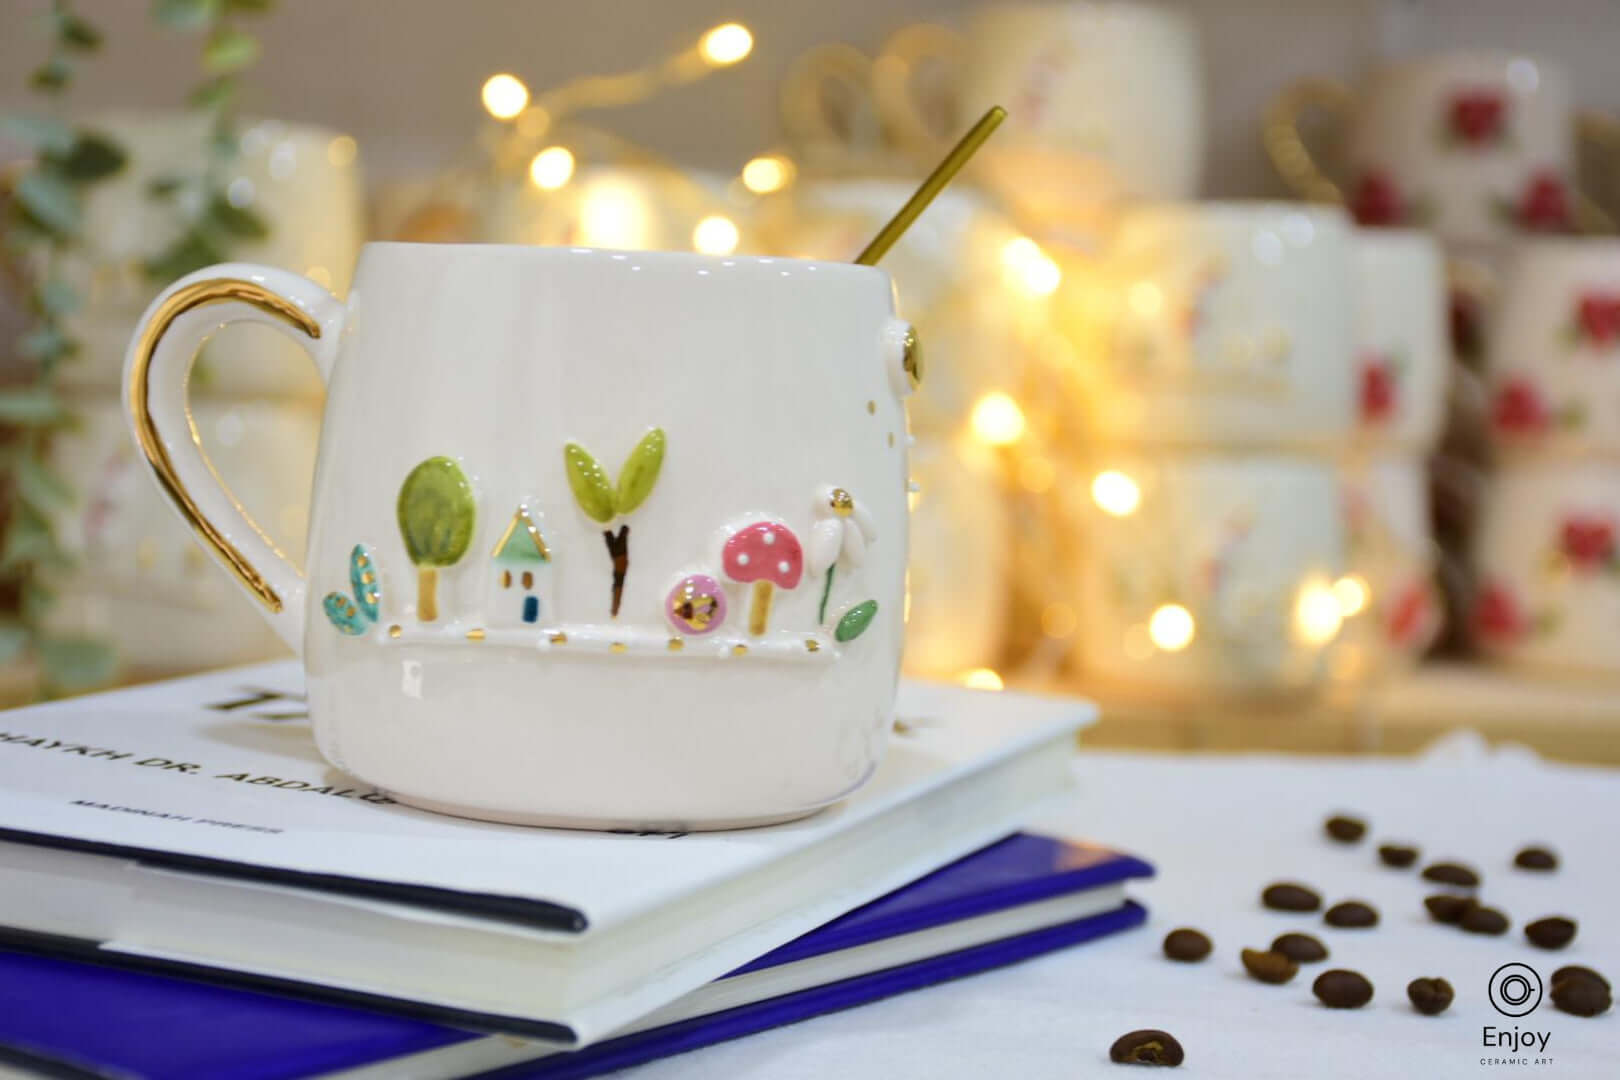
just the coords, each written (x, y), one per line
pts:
(854, 622)
(343, 614)
(589, 483)
(364, 582)
(640, 471)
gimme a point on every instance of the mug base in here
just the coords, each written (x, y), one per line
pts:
(599, 824)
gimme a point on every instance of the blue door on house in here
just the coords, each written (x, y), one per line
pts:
(531, 608)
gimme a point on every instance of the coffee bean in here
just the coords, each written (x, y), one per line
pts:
(1581, 994)
(1146, 1047)
(1536, 858)
(1346, 830)
(1287, 896)
(1186, 944)
(1351, 914)
(1300, 948)
(1480, 919)
(1553, 932)
(1450, 873)
(1269, 967)
(1447, 908)
(1341, 989)
(1430, 996)
(1576, 971)
(1400, 856)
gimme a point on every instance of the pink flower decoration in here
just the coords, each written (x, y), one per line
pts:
(1544, 207)
(1587, 542)
(1518, 409)
(1376, 202)
(1496, 616)
(1598, 317)
(1412, 615)
(1377, 388)
(1476, 116)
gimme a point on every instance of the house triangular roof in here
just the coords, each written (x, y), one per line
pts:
(521, 542)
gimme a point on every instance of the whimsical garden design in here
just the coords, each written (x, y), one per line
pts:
(437, 514)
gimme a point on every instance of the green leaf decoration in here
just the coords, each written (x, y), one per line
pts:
(343, 614)
(44, 133)
(640, 471)
(193, 251)
(229, 50)
(238, 221)
(39, 487)
(52, 75)
(35, 406)
(212, 93)
(437, 512)
(93, 157)
(161, 187)
(364, 582)
(185, 14)
(75, 33)
(50, 200)
(46, 344)
(855, 621)
(76, 663)
(588, 483)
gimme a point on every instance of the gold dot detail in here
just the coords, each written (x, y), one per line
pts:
(812, 645)
(676, 644)
(891, 440)
(739, 650)
(475, 634)
(619, 647)
(871, 408)
(559, 638)
(395, 631)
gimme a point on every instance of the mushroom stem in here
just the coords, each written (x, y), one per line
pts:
(826, 591)
(759, 610)
(427, 593)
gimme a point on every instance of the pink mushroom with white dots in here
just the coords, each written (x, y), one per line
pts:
(768, 556)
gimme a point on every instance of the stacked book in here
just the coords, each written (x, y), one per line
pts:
(187, 889)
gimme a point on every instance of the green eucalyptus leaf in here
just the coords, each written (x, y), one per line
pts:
(437, 512)
(45, 344)
(854, 622)
(46, 134)
(640, 471)
(193, 251)
(212, 93)
(185, 14)
(37, 601)
(93, 157)
(50, 200)
(30, 406)
(14, 638)
(588, 483)
(75, 33)
(28, 540)
(76, 663)
(40, 488)
(238, 221)
(223, 143)
(161, 187)
(249, 7)
(58, 298)
(228, 50)
(52, 75)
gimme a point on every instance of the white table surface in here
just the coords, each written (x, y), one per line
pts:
(1219, 829)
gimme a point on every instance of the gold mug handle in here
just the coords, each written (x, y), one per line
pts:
(1290, 156)
(1599, 132)
(904, 111)
(156, 370)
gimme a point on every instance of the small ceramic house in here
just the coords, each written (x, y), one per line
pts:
(520, 584)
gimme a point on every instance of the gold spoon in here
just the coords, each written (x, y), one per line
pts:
(943, 173)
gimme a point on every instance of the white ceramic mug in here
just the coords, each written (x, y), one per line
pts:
(136, 567)
(1224, 323)
(1547, 559)
(1390, 598)
(1476, 145)
(1209, 572)
(598, 538)
(1403, 359)
(303, 182)
(1104, 101)
(1553, 360)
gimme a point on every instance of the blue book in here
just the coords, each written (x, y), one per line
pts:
(66, 1014)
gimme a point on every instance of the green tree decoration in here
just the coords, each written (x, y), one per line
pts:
(437, 513)
(604, 501)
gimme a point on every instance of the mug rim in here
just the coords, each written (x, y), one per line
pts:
(1442, 57)
(548, 252)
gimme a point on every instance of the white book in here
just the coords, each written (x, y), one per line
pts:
(193, 822)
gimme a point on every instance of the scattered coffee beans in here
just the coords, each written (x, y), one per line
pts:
(1300, 948)
(1351, 914)
(1187, 945)
(1535, 858)
(1146, 1047)
(1400, 856)
(1269, 967)
(1581, 992)
(1448, 908)
(1450, 873)
(1480, 919)
(1430, 997)
(1341, 989)
(1287, 896)
(1346, 830)
(1553, 932)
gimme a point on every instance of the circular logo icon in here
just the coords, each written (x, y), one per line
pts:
(1515, 989)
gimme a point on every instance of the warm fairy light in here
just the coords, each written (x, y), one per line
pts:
(613, 214)
(997, 419)
(1146, 299)
(505, 96)
(1171, 627)
(552, 168)
(726, 44)
(1317, 616)
(1352, 594)
(767, 173)
(1058, 620)
(341, 151)
(715, 235)
(982, 678)
(1115, 493)
(1032, 267)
